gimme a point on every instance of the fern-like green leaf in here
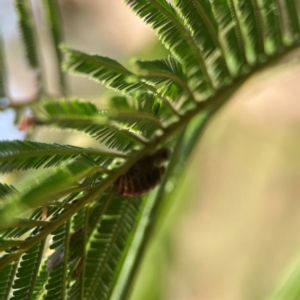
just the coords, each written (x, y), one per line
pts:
(271, 16)
(56, 32)
(46, 185)
(16, 232)
(56, 286)
(177, 38)
(229, 33)
(39, 287)
(108, 247)
(24, 155)
(110, 73)
(251, 17)
(103, 69)
(6, 280)
(199, 17)
(26, 24)
(140, 115)
(170, 72)
(78, 243)
(27, 273)
(161, 70)
(85, 118)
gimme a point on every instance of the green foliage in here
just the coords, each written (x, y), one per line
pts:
(27, 30)
(27, 272)
(56, 32)
(98, 237)
(56, 286)
(24, 155)
(102, 69)
(7, 276)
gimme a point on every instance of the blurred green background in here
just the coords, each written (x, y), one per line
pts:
(232, 228)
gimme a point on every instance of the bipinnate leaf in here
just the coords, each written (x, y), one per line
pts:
(46, 185)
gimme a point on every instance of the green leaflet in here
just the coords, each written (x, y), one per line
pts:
(39, 190)
(55, 27)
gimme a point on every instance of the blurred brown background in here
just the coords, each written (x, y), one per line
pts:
(234, 227)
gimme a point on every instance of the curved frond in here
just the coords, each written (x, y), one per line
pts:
(161, 70)
(85, 118)
(215, 46)
(103, 69)
(170, 72)
(177, 38)
(230, 33)
(141, 114)
(199, 17)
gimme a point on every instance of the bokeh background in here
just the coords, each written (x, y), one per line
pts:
(232, 229)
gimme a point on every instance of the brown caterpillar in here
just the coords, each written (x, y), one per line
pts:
(143, 176)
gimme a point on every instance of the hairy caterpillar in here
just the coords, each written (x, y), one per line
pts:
(143, 176)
